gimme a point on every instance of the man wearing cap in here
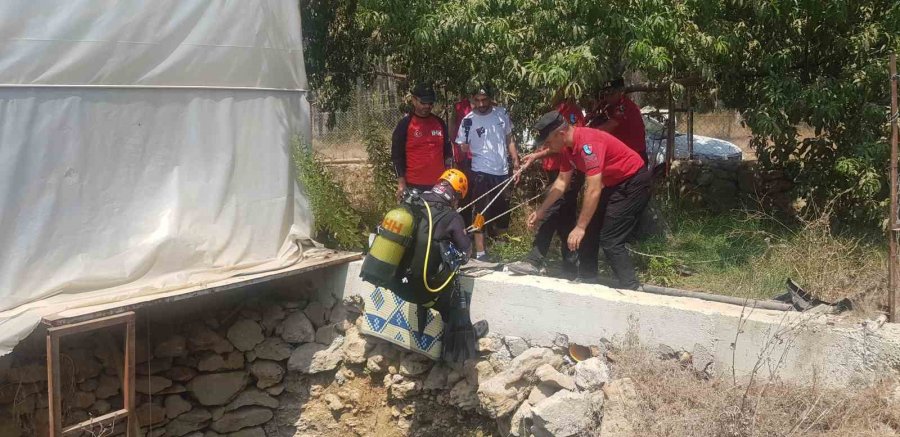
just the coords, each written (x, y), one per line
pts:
(620, 116)
(420, 145)
(617, 190)
(561, 216)
(486, 132)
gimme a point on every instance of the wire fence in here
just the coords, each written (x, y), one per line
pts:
(340, 135)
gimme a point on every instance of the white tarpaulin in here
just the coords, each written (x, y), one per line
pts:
(144, 146)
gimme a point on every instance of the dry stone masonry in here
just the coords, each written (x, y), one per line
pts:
(262, 366)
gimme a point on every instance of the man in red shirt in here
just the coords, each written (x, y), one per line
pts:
(560, 219)
(617, 190)
(420, 145)
(620, 116)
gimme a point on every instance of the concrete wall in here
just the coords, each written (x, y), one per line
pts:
(796, 347)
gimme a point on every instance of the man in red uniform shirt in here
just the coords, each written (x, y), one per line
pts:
(617, 190)
(420, 145)
(560, 219)
(620, 116)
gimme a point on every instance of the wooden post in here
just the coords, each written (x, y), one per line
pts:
(54, 386)
(670, 134)
(894, 226)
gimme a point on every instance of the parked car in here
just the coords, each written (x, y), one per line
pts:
(704, 147)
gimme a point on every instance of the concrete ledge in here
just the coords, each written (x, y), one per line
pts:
(795, 347)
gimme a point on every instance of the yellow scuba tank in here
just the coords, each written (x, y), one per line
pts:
(393, 237)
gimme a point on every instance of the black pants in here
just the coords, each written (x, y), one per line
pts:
(559, 220)
(482, 183)
(615, 219)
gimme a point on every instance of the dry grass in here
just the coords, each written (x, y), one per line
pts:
(675, 400)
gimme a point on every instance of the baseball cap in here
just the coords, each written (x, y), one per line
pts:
(484, 88)
(424, 92)
(545, 125)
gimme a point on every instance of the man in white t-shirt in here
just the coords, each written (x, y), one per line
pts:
(487, 133)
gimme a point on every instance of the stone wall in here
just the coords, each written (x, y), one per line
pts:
(205, 367)
(287, 359)
(726, 185)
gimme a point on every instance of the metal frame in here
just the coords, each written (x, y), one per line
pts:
(54, 384)
(893, 217)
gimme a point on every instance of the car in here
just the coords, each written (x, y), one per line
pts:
(705, 148)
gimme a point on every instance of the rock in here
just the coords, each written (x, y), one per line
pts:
(502, 393)
(151, 384)
(325, 297)
(591, 374)
(297, 328)
(87, 385)
(464, 395)
(437, 378)
(27, 374)
(478, 371)
(405, 389)
(414, 364)
(83, 400)
(272, 315)
(355, 347)
(150, 414)
(201, 338)
(100, 408)
(107, 387)
(252, 397)
(315, 358)
(375, 364)
(550, 376)
(515, 345)
(248, 432)
(173, 389)
(621, 397)
(181, 374)
(187, 423)
(566, 414)
(217, 413)
(267, 373)
(316, 313)
(242, 418)
(520, 424)
(333, 402)
(245, 334)
(340, 317)
(344, 375)
(217, 388)
(327, 334)
(176, 406)
(215, 362)
(489, 344)
(274, 349)
(561, 341)
(275, 390)
(154, 366)
(86, 366)
(174, 346)
(541, 392)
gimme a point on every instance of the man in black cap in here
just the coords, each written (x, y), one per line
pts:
(420, 146)
(617, 188)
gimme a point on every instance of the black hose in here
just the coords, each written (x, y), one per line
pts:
(764, 304)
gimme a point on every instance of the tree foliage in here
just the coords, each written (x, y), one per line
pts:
(782, 63)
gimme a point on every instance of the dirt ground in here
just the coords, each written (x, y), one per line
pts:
(369, 411)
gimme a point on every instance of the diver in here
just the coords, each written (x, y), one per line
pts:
(429, 225)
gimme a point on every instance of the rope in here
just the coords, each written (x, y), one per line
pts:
(472, 228)
(502, 186)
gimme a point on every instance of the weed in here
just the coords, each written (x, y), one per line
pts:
(337, 223)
